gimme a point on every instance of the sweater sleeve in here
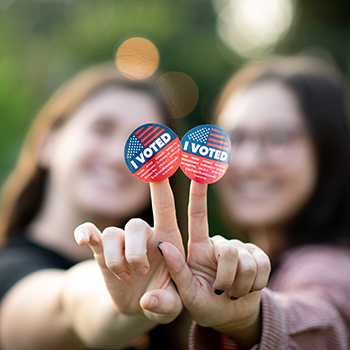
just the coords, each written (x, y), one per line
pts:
(308, 309)
(202, 338)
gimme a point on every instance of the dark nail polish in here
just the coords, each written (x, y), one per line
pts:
(234, 298)
(158, 246)
(218, 291)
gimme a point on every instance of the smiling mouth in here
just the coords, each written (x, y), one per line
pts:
(108, 178)
(254, 189)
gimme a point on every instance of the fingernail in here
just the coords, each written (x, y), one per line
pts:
(124, 276)
(218, 291)
(152, 303)
(80, 236)
(234, 298)
(142, 270)
(158, 245)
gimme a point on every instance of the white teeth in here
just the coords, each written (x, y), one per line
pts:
(106, 176)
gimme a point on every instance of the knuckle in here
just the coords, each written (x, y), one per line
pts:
(248, 269)
(136, 261)
(199, 214)
(259, 285)
(164, 204)
(260, 282)
(216, 239)
(229, 252)
(238, 243)
(110, 231)
(224, 283)
(135, 225)
(251, 246)
(115, 266)
(178, 270)
(265, 265)
(88, 226)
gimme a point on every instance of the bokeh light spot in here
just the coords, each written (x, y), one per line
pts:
(180, 91)
(137, 58)
(253, 27)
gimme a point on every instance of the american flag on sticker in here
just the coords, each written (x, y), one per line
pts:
(206, 152)
(212, 137)
(142, 138)
(134, 147)
(152, 152)
(147, 134)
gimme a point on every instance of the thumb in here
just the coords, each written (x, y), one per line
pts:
(179, 271)
(162, 305)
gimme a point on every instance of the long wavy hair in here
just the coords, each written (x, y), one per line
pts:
(322, 96)
(23, 192)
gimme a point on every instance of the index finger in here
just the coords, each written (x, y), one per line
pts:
(163, 206)
(197, 213)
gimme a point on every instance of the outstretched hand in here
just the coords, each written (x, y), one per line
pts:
(134, 272)
(220, 283)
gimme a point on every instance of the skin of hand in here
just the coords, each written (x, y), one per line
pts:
(134, 272)
(217, 272)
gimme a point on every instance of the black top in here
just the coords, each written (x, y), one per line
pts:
(21, 256)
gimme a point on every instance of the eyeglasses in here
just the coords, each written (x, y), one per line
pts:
(278, 145)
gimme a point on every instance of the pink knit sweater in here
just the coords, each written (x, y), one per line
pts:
(305, 306)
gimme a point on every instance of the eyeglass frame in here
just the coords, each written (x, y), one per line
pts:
(295, 133)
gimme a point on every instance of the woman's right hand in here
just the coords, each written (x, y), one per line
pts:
(221, 281)
(134, 272)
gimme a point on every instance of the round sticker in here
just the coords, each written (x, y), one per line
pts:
(152, 152)
(206, 152)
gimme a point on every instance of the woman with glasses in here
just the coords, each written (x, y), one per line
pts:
(287, 191)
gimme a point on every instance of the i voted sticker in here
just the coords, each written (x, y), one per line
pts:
(152, 152)
(206, 152)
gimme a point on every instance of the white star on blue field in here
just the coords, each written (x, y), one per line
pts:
(200, 136)
(134, 146)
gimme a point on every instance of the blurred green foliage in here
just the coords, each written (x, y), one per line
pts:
(42, 43)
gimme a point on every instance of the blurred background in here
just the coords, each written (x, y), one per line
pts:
(191, 45)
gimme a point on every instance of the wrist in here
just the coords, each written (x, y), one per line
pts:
(115, 330)
(246, 333)
(91, 315)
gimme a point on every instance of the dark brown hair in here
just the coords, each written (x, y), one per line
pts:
(23, 193)
(322, 95)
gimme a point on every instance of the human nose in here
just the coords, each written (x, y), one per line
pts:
(114, 150)
(248, 155)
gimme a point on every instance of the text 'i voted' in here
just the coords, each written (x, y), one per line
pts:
(152, 152)
(206, 152)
